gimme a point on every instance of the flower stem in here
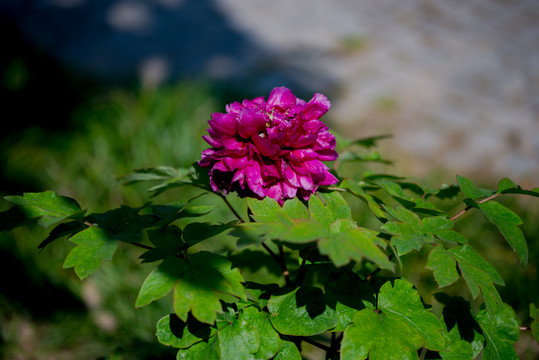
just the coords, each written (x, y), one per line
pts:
(286, 273)
(231, 208)
(279, 259)
(463, 211)
(316, 343)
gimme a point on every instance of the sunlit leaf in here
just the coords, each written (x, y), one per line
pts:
(508, 224)
(302, 312)
(443, 266)
(479, 275)
(501, 331)
(160, 281)
(172, 331)
(49, 207)
(395, 330)
(94, 246)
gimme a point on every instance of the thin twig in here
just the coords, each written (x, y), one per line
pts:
(454, 217)
(231, 208)
(286, 273)
(317, 344)
(142, 246)
(302, 270)
(423, 353)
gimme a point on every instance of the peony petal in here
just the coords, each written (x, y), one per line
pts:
(325, 178)
(316, 107)
(276, 193)
(250, 122)
(213, 142)
(223, 124)
(264, 146)
(281, 97)
(289, 191)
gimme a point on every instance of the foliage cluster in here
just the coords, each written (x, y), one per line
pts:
(340, 284)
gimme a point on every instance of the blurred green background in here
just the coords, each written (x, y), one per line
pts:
(76, 136)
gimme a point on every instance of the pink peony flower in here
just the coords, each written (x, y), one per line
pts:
(270, 148)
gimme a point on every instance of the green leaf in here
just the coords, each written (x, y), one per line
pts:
(458, 350)
(206, 280)
(371, 141)
(501, 331)
(288, 351)
(335, 208)
(238, 339)
(352, 243)
(202, 350)
(268, 338)
(395, 330)
(470, 190)
(410, 232)
(378, 337)
(295, 209)
(395, 190)
(49, 207)
(403, 301)
(507, 223)
(167, 241)
(153, 174)
(451, 236)
(479, 275)
(443, 266)
(301, 312)
(266, 211)
(160, 281)
(196, 232)
(94, 245)
(506, 186)
(197, 291)
(61, 230)
(534, 314)
(14, 217)
(172, 331)
(347, 297)
(224, 266)
(299, 232)
(374, 205)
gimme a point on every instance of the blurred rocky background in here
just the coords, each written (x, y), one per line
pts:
(457, 84)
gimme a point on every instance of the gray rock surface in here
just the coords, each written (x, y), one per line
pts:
(456, 82)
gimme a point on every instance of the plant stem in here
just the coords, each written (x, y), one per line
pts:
(231, 208)
(286, 273)
(302, 270)
(463, 211)
(317, 344)
(280, 260)
(142, 246)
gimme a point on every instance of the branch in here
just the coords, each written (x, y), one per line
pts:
(463, 211)
(231, 208)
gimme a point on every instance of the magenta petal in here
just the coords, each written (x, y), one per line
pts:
(316, 107)
(326, 178)
(281, 97)
(272, 148)
(276, 192)
(250, 122)
(265, 146)
(223, 123)
(289, 191)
